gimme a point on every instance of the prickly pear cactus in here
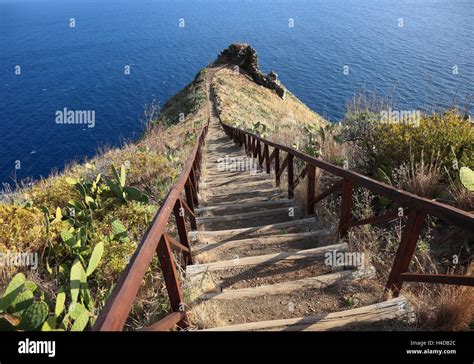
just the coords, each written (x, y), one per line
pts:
(466, 175)
(33, 316)
(14, 288)
(81, 322)
(24, 300)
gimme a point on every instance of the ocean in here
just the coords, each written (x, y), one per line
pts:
(73, 55)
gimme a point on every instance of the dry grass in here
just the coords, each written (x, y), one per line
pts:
(206, 257)
(242, 103)
(300, 193)
(455, 309)
(442, 307)
(421, 178)
(333, 151)
(463, 198)
(205, 315)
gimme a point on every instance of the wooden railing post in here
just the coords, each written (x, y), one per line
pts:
(193, 179)
(170, 276)
(290, 176)
(193, 190)
(179, 214)
(266, 155)
(258, 151)
(197, 173)
(310, 190)
(277, 167)
(346, 208)
(198, 160)
(190, 201)
(405, 250)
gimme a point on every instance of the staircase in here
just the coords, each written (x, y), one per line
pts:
(260, 263)
(255, 259)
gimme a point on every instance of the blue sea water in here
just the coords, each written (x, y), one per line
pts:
(82, 68)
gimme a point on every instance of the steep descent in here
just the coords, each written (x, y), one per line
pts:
(262, 264)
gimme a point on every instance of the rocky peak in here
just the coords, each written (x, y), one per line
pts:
(245, 57)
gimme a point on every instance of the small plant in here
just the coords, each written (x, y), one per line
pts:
(20, 310)
(123, 192)
(466, 176)
(23, 306)
(461, 189)
(351, 301)
(259, 128)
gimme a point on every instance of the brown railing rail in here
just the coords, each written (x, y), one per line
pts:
(157, 241)
(418, 207)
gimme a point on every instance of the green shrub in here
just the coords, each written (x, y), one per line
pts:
(52, 192)
(382, 147)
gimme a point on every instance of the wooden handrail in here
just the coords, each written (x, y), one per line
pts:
(154, 241)
(418, 207)
(448, 213)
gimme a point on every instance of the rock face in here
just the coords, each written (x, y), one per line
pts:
(244, 56)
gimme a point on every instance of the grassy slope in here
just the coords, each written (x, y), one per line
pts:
(243, 103)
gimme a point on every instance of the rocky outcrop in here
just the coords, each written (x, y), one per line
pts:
(244, 56)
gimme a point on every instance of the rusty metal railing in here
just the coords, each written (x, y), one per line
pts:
(157, 241)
